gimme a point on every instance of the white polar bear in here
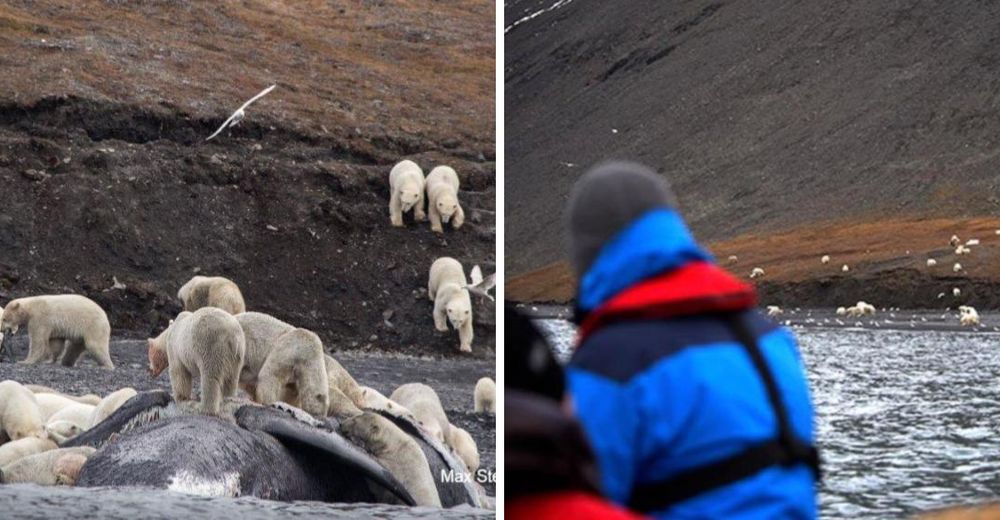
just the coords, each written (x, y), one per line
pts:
(397, 451)
(79, 414)
(375, 400)
(50, 468)
(406, 185)
(346, 396)
(442, 199)
(423, 402)
(85, 399)
(447, 288)
(207, 343)
(283, 363)
(485, 396)
(463, 444)
(212, 291)
(21, 448)
(60, 322)
(110, 403)
(49, 404)
(62, 430)
(19, 413)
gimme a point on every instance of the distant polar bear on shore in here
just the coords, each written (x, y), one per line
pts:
(212, 291)
(446, 287)
(406, 185)
(207, 343)
(283, 363)
(442, 199)
(485, 396)
(57, 322)
(19, 413)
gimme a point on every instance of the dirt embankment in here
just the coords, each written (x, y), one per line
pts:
(887, 265)
(107, 176)
(764, 115)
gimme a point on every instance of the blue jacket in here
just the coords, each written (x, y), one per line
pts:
(662, 384)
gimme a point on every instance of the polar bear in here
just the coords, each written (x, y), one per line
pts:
(63, 430)
(21, 448)
(50, 404)
(77, 414)
(19, 413)
(446, 287)
(56, 322)
(485, 396)
(283, 363)
(212, 291)
(442, 199)
(376, 401)
(207, 343)
(423, 402)
(406, 184)
(463, 444)
(397, 451)
(109, 404)
(50, 468)
(85, 399)
(346, 396)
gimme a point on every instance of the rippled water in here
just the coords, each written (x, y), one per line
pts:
(29, 502)
(908, 420)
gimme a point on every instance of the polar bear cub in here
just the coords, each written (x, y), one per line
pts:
(485, 396)
(283, 363)
(19, 413)
(207, 343)
(446, 287)
(212, 291)
(406, 184)
(442, 199)
(55, 322)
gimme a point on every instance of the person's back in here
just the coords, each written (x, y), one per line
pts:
(695, 404)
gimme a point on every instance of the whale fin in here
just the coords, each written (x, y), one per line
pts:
(341, 450)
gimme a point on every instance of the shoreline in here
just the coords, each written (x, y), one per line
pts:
(917, 320)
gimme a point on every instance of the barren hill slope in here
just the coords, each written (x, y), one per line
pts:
(765, 116)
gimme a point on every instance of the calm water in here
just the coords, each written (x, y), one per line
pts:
(46, 503)
(908, 420)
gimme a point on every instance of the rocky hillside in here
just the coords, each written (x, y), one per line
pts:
(104, 108)
(766, 116)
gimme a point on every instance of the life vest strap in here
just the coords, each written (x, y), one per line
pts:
(785, 449)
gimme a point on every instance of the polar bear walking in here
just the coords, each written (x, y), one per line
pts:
(212, 291)
(207, 343)
(283, 363)
(447, 288)
(406, 185)
(60, 322)
(442, 199)
(485, 396)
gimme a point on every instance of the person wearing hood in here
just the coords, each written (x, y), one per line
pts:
(548, 467)
(696, 405)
